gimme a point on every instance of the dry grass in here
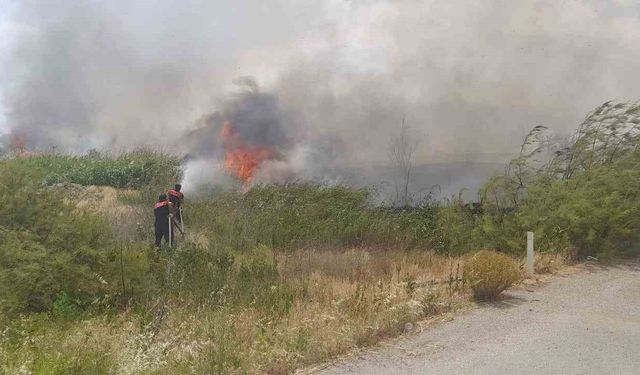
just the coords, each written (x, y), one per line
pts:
(347, 299)
(125, 219)
(350, 298)
(343, 299)
(360, 265)
(549, 263)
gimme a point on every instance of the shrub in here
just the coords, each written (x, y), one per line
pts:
(596, 213)
(78, 362)
(27, 207)
(46, 246)
(66, 308)
(276, 300)
(455, 229)
(584, 196)
(38, 274)
(548, 262)
(223, 353)
(489, 273)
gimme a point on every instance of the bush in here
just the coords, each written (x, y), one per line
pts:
(584, 196)
(489, 273)
(223, 353)
(66, 308)
(455, 229)
(78, 362)
(46, 246)
(596, 212)
(38, 274)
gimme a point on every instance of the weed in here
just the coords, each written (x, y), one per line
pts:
(489, 273)
(67, 308)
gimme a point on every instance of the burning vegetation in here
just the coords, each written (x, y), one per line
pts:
(241, 160)
(18, 145)
(247, 131)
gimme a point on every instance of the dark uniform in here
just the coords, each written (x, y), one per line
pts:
(161, 212)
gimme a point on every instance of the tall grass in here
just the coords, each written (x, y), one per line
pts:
(127, 170)
(302, 215)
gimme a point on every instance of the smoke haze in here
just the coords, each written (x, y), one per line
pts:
(337, 76)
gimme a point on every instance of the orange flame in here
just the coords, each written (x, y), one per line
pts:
(241, 160)
(18, 145)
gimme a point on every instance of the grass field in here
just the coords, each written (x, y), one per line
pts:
(267, 281)
(279, 277)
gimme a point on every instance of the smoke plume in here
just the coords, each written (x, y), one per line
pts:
(332, 79)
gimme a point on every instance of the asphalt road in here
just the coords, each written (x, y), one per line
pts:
(586, 323)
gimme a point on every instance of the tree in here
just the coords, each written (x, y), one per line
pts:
(401, 151)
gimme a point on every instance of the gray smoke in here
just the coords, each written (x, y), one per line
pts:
(122, 74)
(255, 116)
(257, 120)
(333, 78)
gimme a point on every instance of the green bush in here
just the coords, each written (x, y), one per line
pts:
(585, 196)
(78, 362)
(38, 274)
(28, 207)
(46, 246)
(67, 308)
(455, 229)
(489, 273)
(597, 212)
(223, 353)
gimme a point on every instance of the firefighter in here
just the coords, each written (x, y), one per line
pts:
(176, 197)
(162, 212)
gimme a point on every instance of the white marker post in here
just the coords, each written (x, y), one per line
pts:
(530, 269)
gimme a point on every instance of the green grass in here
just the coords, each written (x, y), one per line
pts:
(302, 215)
(128, 170)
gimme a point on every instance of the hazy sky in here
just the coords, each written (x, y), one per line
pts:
(470, 76)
